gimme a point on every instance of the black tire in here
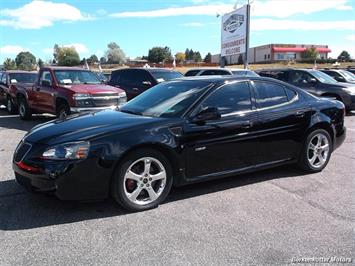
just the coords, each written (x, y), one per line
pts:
(118, 182)
(24, 110)
(10, 106)
(63, 110)
(304, 162)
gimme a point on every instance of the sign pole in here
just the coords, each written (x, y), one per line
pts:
(247, 37)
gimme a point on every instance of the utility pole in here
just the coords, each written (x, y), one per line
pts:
(247, 37)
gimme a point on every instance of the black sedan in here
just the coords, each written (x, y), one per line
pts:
(180, 132)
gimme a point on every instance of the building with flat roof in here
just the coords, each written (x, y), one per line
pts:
(276, 52)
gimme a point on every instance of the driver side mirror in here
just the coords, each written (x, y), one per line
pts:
(340, 79)
(207, 114)
(312, 81)
(46, 83)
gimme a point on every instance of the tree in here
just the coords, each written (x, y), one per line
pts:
(115, 54)
(197, 57)
(159, 54)
(40, 62)
(103, 60)
(240, 60)
(208, 58)
(180, 57)
(25, 61)
(9, 64)
(92, 59)
(344, 56)
(68, 56)
(310, 53)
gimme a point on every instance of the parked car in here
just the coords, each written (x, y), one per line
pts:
(65, 90)
(219, 71)
(351, 69)
(315, 82)
(134, 81)
(340, 75)
(11, 82)
(180, 132)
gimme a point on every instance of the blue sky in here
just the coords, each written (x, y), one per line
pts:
(137, 25)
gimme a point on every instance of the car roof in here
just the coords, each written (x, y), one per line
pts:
(149, 69)
(64, 68)
(19, 71)
(223, 78)
(207, 68)
(285, 69)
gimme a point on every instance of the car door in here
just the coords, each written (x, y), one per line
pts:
(3, 87)
(228, 144)
(304, 80)
(44, 93)
(283, 118)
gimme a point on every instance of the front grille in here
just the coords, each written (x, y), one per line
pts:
(105, 99)
(21, 151)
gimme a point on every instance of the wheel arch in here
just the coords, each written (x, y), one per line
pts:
(322, 125)
(163, 149)
(60, 100)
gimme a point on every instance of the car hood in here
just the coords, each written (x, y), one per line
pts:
(92, 88)
(85, 127)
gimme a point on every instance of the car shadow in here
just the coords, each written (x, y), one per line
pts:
(22, 210)
(14, 122)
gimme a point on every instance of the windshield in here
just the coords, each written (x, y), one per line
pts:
(76, 77)
(348, 75)
(161, 76)
(23, 77)
(170, 99)
(244, 73)
(322, 77)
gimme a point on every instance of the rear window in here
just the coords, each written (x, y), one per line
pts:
(161, 76)
(269, 94)
(214, 72)
(191, 73)
(23, 77)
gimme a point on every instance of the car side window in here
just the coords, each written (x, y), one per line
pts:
(301, 77)
(4, 78)
(230, 98)
(279, 74)
(214, 72)
(116, 77)
(291, 94)
(191, 73)
(46, 75)
(269, 94)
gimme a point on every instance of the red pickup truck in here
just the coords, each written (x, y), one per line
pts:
(65, 90)
(11, 83)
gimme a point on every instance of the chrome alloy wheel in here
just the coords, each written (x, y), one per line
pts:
(9, 105)
(144, 181)
(318, 150)
(22, 109)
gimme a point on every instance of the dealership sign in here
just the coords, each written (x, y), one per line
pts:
(234, 31)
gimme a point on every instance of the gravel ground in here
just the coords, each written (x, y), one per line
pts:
(269, 217)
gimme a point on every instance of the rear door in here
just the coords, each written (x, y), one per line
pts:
(283, 118)
(225, 145)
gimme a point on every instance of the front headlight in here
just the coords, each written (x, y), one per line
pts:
(351, 90)
(67, 151)
(122, 98)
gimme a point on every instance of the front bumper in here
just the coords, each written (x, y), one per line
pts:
(79, 180)
(90, 109)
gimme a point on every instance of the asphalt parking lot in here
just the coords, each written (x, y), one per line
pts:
(269, 217)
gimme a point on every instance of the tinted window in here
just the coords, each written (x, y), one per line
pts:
(168, 99)
(301, 77)
(331, 73)
(191, 73)
(214, 72)
(23, 77)
(3, 78)
(135, 76)
(269, 94)
(161, 76)
(230, 98)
